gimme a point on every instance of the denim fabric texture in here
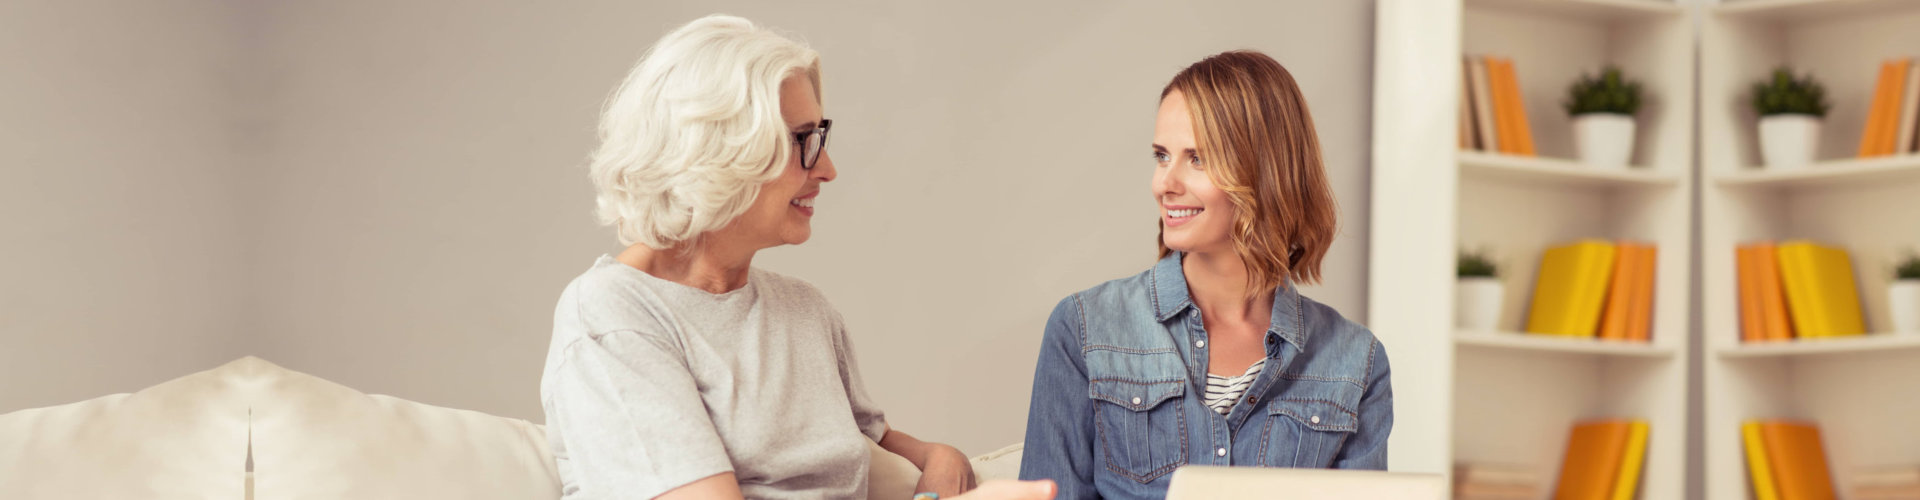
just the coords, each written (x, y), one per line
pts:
(1118, 391)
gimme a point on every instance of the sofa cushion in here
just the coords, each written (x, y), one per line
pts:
(315, 439)
(184, 438)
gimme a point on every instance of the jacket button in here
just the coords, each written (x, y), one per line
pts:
(1199, 343)
(1220, 452)
(1137, 401)
(1316, 419)
(1253, 399)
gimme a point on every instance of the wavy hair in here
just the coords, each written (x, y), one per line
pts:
(689, 137)
(1252, 122)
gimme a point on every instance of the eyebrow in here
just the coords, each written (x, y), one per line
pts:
(1163, 149)
(804, 127)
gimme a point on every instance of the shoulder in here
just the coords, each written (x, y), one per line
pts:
(608, 298)
(1131, 292)
(787, 295)
(1354, 345)
(1120, 315)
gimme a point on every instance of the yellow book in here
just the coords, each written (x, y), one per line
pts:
(1628, 484)
(1821, 295)
(1571, 288)
(1757, 466)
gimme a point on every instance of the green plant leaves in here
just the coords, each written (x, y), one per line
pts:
(1782, 94)
(1608, 92)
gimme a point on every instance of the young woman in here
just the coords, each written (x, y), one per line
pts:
(1212, 357)
(677, 370)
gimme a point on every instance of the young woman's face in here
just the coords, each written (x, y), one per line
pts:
(1195, 215)
(783, 212)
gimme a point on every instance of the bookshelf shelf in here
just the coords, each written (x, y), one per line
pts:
(1545, 343)
(1588, 9)
(1870, 343)
(1475, 164)
(1810, 10)
(1901, 168)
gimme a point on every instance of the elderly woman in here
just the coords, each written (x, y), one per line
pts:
(677, 370)
(1211, 356)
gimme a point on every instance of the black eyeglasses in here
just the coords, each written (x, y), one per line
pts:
(812, 143)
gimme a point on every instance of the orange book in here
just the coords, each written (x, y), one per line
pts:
(1798, 462)
(1773, 296)
(1517, 106)
(1615, 320)
(1592, 464)
(1890, 116)
(1640, 319)
(1750, 326)
(1502, 120)
(1874, 133)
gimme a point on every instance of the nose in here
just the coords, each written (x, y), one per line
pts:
(1165, 185)
(823, 169)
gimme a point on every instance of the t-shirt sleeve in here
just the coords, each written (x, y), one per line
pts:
(635, 424)
(866, 414)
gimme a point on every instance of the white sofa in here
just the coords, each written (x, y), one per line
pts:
(251, 429)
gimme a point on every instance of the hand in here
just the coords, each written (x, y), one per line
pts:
(947, 472)
(1011, 490)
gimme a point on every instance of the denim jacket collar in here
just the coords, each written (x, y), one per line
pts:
(1170, 296)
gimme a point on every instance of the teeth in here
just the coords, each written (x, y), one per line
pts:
(1189, 212)
(808, 203)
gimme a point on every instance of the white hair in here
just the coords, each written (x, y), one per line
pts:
(695, 130)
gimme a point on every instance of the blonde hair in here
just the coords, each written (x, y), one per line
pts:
(689, 137)
(1251, 121)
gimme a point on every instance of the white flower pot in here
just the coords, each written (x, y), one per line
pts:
(1788, 141)
(1476, 303)
(1603, 139)
(1903, 303)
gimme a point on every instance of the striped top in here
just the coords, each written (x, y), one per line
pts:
(1223, 392)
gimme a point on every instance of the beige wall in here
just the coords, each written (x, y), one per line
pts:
(120, 241)
(426, 202)
(414, 198)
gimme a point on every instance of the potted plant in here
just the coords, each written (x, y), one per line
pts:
(1903, 296)
(1790, 111)
(1602, 107)
(1478, 293)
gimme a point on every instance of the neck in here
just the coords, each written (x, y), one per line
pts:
(711, 266)
(1219, 286)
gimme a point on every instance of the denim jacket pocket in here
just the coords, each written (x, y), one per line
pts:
(1306, 433)
(1141, 427)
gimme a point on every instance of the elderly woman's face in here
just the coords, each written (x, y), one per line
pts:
(783, 213)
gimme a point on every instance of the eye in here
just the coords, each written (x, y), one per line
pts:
(1160, 157)
(1194, 160)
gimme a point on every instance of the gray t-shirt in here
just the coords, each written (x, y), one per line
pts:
(651, 385)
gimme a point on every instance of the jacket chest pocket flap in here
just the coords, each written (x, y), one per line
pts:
(1140, 426)
(1307, 432)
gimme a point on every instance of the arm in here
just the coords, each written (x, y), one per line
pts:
(633, 423)
(1368, 447)
(1059, 444)
(943, 469)
(721, 486)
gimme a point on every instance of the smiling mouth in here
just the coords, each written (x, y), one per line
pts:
(1184, 213)
(802, 202)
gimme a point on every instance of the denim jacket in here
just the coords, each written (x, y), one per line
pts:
(1118, 393)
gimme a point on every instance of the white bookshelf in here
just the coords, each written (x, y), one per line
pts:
(1869, 343)
(1512, 398)
(1854, 388)
(1480, 165)
(1530, 343)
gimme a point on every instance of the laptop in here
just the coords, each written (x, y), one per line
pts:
(1196, 482)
